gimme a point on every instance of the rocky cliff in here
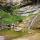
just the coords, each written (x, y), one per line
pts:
(18, 2)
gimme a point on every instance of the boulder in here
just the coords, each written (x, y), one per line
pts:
(27, 10)
(36, 23)
(17, 29)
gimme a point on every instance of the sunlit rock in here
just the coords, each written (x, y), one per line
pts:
(2, 38)
(36, 23)
(17, 29)
(27, 10)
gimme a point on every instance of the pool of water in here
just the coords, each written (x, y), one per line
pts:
(2, 38)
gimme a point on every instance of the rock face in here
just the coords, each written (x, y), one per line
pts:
(33, 23)
(22, 2)
(18, 2)
(36, 23)
(27, 10)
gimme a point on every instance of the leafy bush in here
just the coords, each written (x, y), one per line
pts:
(7, 19)
(12, 10)
(8, 14)
(20, 20)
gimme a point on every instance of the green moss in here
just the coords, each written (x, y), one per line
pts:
(8, 19)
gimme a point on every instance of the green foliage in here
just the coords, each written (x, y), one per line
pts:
(6, 18)
(20, 20)
(11, 19)
(12, 10)
(3, 14)
(7, 14)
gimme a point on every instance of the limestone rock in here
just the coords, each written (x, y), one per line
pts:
(17, 29)
(27, 10)
(37, 23)
(18, 2)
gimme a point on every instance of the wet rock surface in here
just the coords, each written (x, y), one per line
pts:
(27, 10)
